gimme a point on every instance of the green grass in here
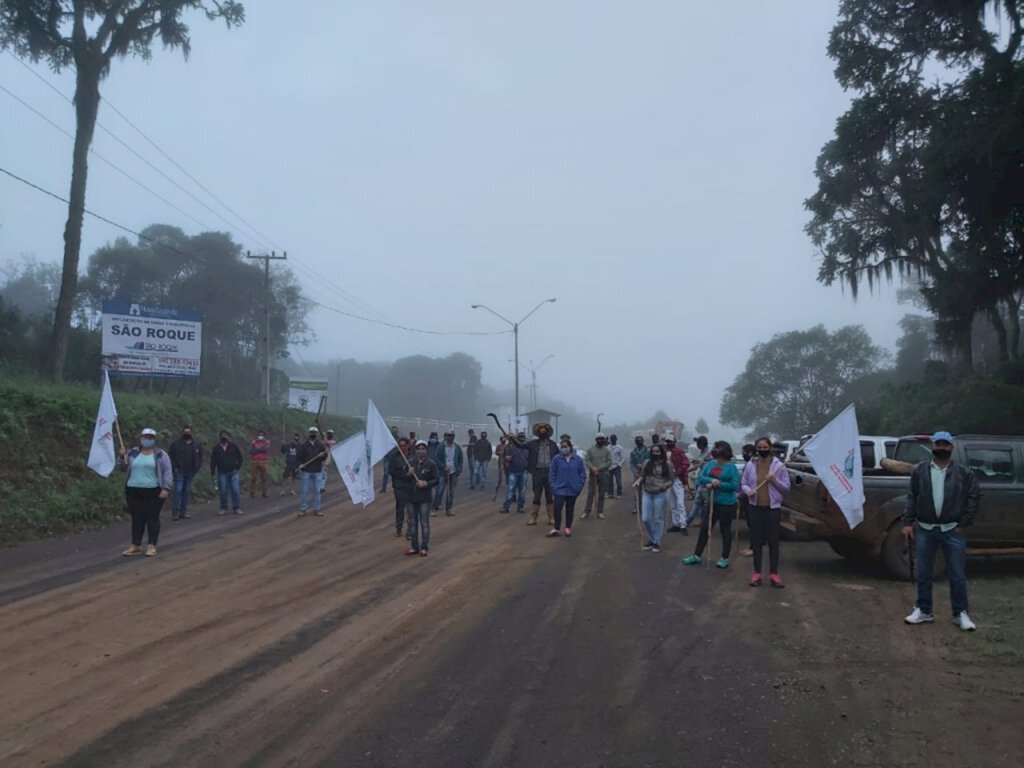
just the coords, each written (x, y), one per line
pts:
(46, 430)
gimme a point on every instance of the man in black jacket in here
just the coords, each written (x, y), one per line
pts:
(481, 459)
(541, 452)
(225, 461)
(401, 482)
(942, 502)
(312, 455)
(186, 456)
(425, 477)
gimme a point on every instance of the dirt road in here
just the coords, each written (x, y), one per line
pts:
(270, 640)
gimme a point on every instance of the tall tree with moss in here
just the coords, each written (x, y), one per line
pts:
(925, 175)
(86, 35)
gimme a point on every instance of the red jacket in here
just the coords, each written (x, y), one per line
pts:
(680, 462)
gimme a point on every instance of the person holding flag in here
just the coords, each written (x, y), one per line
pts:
(396, 465)
(312, 454)
(425, 477)
(149, 483)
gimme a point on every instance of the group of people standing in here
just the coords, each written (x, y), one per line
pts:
(664, 476)
(155, 474)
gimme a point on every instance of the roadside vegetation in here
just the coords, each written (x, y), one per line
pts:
(45, 434)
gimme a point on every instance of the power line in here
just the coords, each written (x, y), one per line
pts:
(98, 156)
(352, 315)
(406, 327)
(104, 219)
(131, 149)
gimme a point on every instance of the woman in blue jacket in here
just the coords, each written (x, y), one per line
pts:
(568, 478)
(722, 479)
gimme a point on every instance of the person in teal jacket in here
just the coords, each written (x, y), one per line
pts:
(722, 480)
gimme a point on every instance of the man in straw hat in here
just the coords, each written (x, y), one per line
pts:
(541, 452)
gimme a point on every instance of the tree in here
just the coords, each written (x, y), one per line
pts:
(702, 426)
(88, 34)
(794, 383)
(924, 177)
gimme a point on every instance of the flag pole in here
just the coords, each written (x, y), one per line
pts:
(117, 428)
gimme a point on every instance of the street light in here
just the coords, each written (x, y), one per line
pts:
(515, 334)
(533, 372)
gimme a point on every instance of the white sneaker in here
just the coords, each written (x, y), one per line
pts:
(964, 622)
(917, 616)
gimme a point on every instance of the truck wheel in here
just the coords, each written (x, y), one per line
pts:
(894, 555)
(851, 549)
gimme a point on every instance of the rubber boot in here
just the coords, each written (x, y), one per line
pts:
(534, 515)
(551, 514)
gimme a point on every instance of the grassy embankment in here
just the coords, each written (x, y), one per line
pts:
(46, 429)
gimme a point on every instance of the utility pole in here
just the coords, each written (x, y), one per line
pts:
(265, 352)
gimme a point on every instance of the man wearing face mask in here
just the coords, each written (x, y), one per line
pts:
(259, 452)
(425, 477)
(312, 455)
(186, 456)
(638, 456)
(225, 462)
(942, 502)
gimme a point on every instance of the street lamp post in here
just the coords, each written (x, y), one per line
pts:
(533, 373)
(515, 334)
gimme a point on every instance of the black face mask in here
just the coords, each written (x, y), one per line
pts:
(764, 453)
(224, 440)
(941, 453)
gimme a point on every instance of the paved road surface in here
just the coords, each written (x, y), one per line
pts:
(270, 640)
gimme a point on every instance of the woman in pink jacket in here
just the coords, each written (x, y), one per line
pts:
(764, 481)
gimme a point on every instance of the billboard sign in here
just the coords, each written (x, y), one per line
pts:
(305, 394)
(145, 340)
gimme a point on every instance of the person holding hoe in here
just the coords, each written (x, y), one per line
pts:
(764, 482)
(722, 480)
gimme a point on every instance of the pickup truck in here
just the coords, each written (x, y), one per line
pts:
(998, 463)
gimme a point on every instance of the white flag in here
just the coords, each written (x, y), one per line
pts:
(835, 455)
(378, 436)
(102, 455)
(351, 458)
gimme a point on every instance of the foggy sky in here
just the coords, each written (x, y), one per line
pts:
(643, 162)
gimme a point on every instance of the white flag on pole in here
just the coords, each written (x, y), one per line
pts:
(378, 436)
(351, 458)
(102, 455)
(835, 455)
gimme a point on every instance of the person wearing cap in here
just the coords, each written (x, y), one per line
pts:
(329, 443)
(942, 502)
(312, 454)
(225, 462)
(449, 463)
(598, 460)
(425, 476)
(259, 454)
(677, 499)
(149, 483)
(516, 459)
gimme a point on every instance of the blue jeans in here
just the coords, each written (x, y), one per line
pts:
(954, 549)
(182, 490)
(515, 486)
(479, 476)
(443, 485)
(310, 487)
(653, 512)
(419, 525)
(228, 481)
